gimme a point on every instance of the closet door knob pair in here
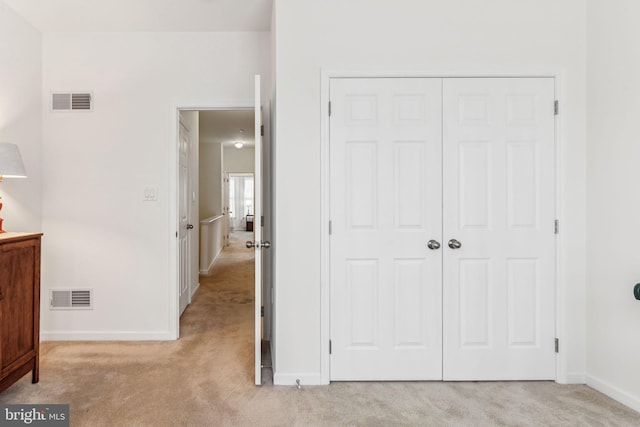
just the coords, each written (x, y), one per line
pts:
(453, 244)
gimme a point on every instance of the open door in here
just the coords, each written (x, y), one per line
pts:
(184, 182)
(226, 211)
(257, 242)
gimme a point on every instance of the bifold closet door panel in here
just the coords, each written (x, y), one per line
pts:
(386, 205)
(498, 199)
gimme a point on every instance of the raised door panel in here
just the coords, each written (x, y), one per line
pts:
(475, 311)
(410, 315)
(523, 197)
(362, 305)
(361, 178)
(523, 302)
(409, 185)
(474, 170)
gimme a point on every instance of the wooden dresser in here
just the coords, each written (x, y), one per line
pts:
(19, 306)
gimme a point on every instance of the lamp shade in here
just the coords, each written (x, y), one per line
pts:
(11, 165)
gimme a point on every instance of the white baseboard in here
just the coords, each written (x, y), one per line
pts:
(208, 270)
(195, 289)
(313, 378)
(614, 392)
(576, 378)
(106, 336)
(213, 261)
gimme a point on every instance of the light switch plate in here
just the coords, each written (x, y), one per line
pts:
(150, 193)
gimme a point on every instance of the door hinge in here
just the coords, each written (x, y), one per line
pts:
(262, 311)
(557, 345)
(329, 108)
(261, 130)
(556, 226)
(330, 227)
(262, 220)
(556, 107)
(329, 346)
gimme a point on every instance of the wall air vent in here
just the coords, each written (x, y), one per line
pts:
(71, 299)
(71, 101)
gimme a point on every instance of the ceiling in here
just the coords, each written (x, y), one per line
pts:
(223, 127)
(145, 15)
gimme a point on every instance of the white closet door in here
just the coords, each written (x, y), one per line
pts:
(386, 200)
(498, 173)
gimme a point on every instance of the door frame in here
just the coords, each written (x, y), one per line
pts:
(174, 280)
(326, 75)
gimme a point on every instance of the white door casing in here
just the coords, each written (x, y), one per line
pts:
(498, 190)
(184, 203)
(499, 203)
(385, 206)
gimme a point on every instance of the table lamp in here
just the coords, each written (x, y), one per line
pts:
(11, 166)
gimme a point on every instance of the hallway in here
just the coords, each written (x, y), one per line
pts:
(221, 312)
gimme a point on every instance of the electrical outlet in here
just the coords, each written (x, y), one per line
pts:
(150, 193)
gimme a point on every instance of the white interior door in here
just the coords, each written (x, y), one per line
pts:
(257, 232)
(386, 206)
(498, 184)
(184, 192)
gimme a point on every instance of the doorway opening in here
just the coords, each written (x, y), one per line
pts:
(241, 217)
(192, 197)
(216, 168)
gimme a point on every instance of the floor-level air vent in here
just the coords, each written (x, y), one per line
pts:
(71, 101)
(76, 299)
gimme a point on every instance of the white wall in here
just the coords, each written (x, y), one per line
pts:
(613, 90)
(238, 160)
(210, 180)
(211, 243)
(100, 234)
(21, 119)
(457, 35)
(211, 233)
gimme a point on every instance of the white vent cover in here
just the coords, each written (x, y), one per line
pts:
(71, 299)
(71, 101)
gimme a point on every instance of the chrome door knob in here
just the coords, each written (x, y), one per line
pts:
(433, 244)
(265, 244)
(454, 244)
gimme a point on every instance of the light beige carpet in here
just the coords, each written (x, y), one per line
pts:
(206, 379)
